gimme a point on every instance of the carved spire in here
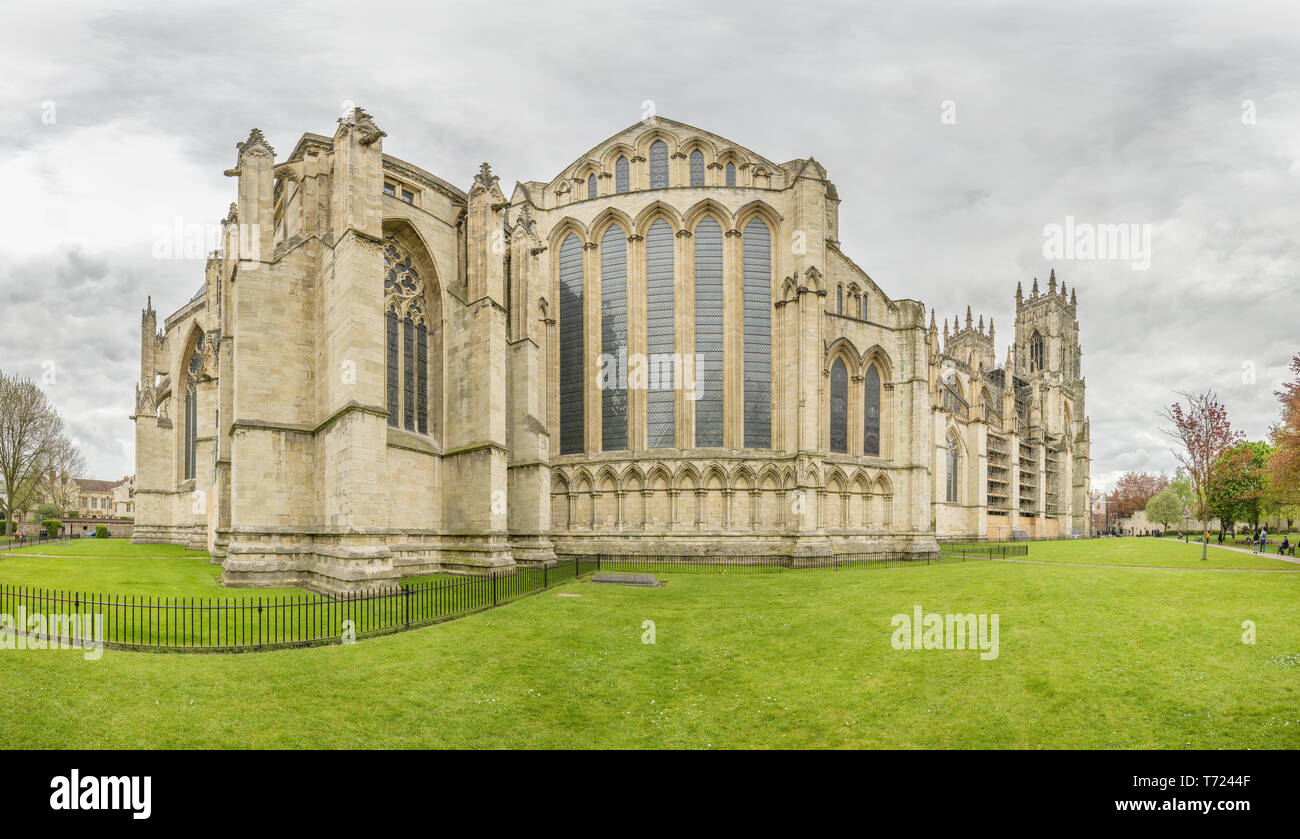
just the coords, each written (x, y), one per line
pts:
(485, 178)
(1034, 292)
(1051, 283)
(525, 221)
(367, 131)
(255, 139)
(1020, 292)
(932, 319)
(1073, 301)
(990, 329)
(968, 320)
(945, 329)
(981, 324)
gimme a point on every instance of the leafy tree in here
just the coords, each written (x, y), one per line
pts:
(1202, 432)
(1239, 483)
(1134, 489)
(1166, 507)
(1284, 463)
(52, 527)
(46, 510)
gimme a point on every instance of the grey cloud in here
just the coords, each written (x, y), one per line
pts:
(1110, 112)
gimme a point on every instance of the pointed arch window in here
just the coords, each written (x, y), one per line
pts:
(591, 186)
(731, 174)
(613, 338)
(406, 341)
(661, 380)
(658, 165)
(622, 181)
(839, 299)
(697, 168)
(1035, 352)
(757, 269)
(871, 412)
(571, 380)
(839, 407)
(708, 333)
(862, 306)
(192, 372)
(954, 464)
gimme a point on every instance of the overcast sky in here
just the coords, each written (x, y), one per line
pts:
(118, 119)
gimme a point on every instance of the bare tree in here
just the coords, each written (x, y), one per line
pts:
(1203, 432)
(58, 477)
(31, 432)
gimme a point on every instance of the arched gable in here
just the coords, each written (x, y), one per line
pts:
(606, 217)
(704, 208)
(656, 210)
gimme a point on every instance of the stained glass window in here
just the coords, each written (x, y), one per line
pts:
(871, 406)
(708, 333)
(613, 336)
(571, 378)
(661, 373)
(658, 165)
(757, 254)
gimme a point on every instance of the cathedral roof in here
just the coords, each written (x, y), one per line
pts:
(628, 137)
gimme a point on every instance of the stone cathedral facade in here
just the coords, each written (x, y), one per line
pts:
(662, 350)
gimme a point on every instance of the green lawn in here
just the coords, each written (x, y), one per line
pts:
(1144, 550)
(115, 566)
(1090, 657)
(104, 547)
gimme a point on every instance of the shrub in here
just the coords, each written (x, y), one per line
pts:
(52, 527)
(101, 531)
(48, 511)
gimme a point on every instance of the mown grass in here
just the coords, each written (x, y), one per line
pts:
(103, 548)
(1147, 551)
(117, 567)
(1089, 657)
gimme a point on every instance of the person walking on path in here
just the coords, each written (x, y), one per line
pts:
(1263, 538)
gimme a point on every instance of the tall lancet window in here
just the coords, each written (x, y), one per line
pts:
(613, 339)
(571, 378)
(591, 186)
(708, 333)
(839, 407)
(697, 168)
(731, 174)
(954, 463)
(871, 410)
(1035, 352)
(192, 372)
(622, 180)
(661, 374)
(658, 165)
(406, 341)
(757, 253)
